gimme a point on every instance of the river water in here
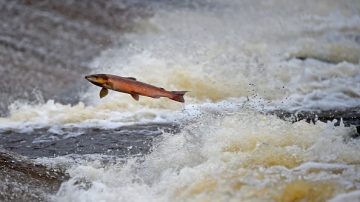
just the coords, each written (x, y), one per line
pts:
(242, 62)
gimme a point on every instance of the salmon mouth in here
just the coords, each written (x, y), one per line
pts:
(91, 78)
(98, 80)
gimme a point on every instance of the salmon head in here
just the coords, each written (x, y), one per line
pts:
(101, 80)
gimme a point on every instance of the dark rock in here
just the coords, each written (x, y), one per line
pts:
(349, 117)
(23, 180)
(123, 141)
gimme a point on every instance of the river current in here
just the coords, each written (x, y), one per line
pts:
(242, 61)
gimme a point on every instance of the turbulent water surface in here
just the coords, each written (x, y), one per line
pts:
(253, 69)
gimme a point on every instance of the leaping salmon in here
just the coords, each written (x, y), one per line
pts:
(131, 86)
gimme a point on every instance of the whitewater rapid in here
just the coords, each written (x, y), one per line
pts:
(239, 60)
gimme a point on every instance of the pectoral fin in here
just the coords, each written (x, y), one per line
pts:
(103, 92)
(135, 96)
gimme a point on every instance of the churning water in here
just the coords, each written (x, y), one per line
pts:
(240, 60)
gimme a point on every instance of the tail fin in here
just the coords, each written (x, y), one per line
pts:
(178, 95)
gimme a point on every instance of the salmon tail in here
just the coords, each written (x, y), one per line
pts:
(178, 95)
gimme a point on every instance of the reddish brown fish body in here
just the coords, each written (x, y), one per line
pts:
(133, 87)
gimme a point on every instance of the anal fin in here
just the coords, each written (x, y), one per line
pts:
(135, 96)
(103, 92)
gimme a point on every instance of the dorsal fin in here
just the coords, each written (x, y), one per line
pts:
(135, 96)
(103, 92)
(132, 78)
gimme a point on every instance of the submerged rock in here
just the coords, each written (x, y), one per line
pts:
(122, 141)
(348, 117)
(24, 180)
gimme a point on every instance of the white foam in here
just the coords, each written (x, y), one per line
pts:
(322, 166)
(347, 197)
(219, 150)
(237, 58)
